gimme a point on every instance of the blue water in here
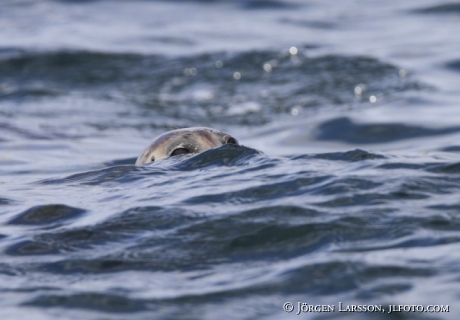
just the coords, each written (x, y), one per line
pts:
(345, 188)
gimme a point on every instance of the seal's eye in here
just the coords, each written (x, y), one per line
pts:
(231, 140)
(179, 151)
(153, 159)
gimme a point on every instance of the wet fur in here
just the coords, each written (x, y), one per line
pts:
(196, 140)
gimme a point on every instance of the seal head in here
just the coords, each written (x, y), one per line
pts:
(184, 141)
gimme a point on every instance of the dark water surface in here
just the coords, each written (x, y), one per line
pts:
(346, 188)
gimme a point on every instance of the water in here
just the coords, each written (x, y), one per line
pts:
(345, 189)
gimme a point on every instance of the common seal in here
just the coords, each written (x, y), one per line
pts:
(182, 141)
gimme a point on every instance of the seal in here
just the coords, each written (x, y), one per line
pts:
(184, 141)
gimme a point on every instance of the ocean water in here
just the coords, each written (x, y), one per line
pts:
(345, 188)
